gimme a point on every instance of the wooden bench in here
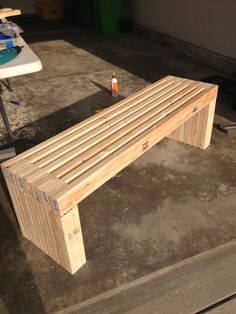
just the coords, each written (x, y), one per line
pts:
(48, 181)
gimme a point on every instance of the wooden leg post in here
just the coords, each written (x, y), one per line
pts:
(197, 130)
(73, 239)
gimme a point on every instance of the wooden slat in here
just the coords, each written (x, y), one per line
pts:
(15, 201)
(6, 12)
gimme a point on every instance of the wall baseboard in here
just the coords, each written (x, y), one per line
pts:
(211, 58)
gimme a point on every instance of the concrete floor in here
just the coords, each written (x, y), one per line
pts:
(172, 203)
(200, 284)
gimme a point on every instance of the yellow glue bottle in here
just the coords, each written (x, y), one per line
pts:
(114, 85)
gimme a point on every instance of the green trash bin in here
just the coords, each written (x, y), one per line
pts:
(109, 15)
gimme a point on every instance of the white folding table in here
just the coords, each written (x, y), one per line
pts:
(26, 62)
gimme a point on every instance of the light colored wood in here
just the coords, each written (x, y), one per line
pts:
(197, 130)
(6, 12)
(72, 235)
(14, 199)
(47, 182)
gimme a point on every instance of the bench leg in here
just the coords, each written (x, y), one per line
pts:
(197, 130)
(73, 240)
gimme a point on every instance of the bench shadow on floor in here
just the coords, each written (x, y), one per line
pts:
(64, 118)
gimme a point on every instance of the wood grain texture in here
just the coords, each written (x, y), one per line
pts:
(197, 130)
(47, 182)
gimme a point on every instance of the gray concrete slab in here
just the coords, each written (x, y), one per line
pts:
(173, 203)
(194, 285)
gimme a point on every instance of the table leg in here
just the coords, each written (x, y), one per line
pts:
(9, 85)
(13, 139)
(6, 121)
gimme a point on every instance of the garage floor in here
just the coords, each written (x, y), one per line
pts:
(172, 203)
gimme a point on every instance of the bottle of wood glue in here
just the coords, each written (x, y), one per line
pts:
(114, 85)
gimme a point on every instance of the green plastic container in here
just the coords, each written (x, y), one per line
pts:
(109, 15)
